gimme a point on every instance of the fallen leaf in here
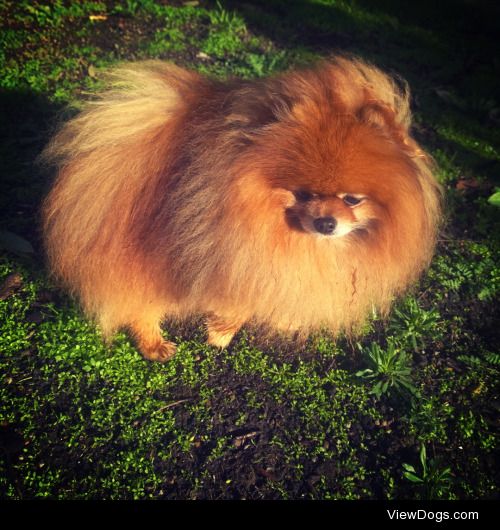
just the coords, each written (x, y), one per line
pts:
(15, 243)
(10, 285)
(467, 184)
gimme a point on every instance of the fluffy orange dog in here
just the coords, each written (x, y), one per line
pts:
(299, 201)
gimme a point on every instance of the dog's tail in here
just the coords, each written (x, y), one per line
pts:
(104, 157)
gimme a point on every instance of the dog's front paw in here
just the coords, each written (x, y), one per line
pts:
(221, 330)
(219, 340)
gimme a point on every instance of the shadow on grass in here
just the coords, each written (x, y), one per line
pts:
(27, 121)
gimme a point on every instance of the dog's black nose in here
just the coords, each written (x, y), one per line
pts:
(325, 225)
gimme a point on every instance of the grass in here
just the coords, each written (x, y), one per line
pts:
(409, 412)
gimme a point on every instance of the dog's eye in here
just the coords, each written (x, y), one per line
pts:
(303, 195)
(350, 200)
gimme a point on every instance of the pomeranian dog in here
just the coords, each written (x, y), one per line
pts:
(299, 201)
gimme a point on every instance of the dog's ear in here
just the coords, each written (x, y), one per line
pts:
(379, 115)
(384, 118)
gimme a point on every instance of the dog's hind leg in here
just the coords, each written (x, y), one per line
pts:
(150, 342)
